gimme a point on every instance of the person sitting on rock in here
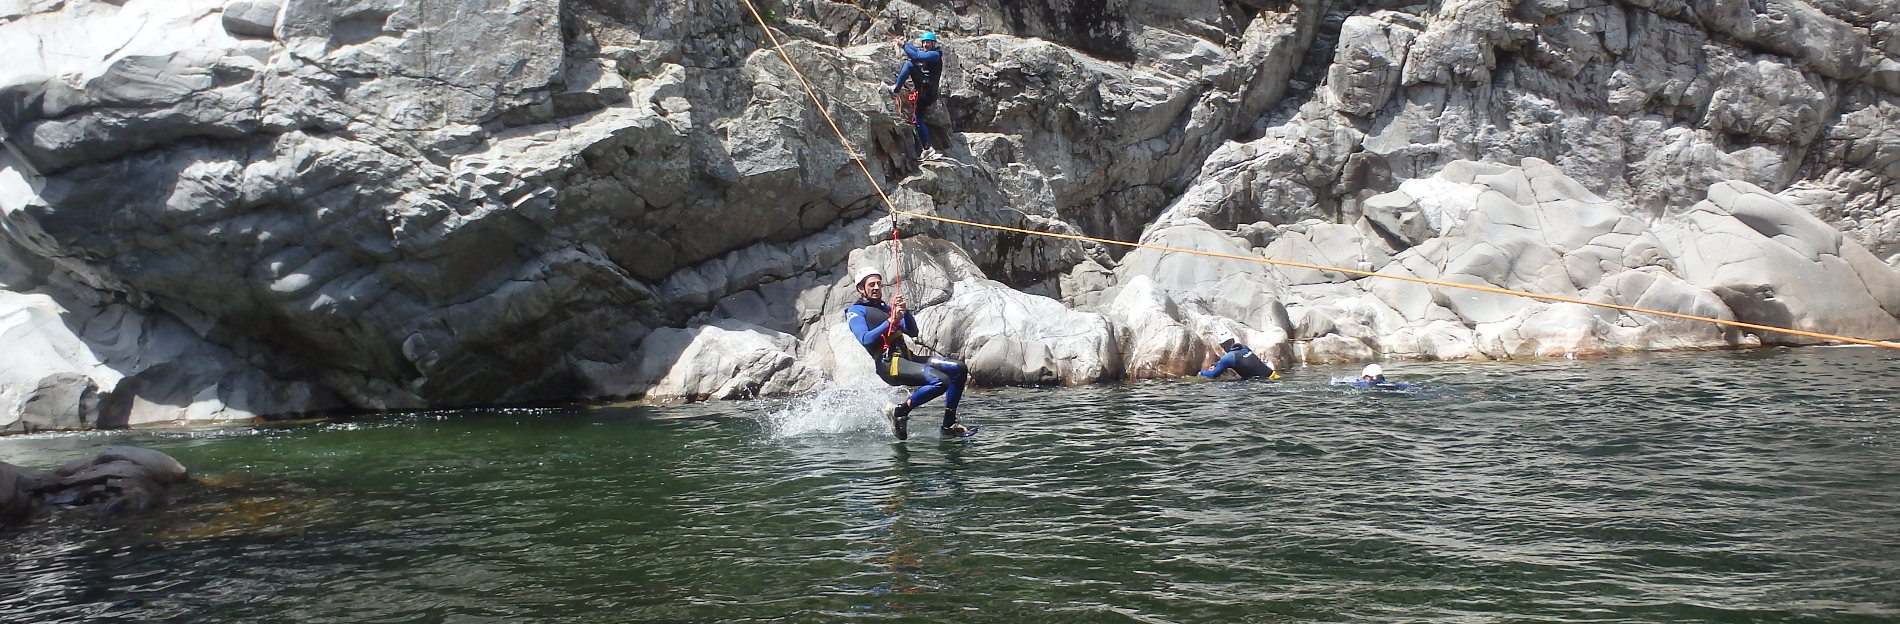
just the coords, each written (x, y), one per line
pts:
(1242, 361)
(922, 69)
(870, 320)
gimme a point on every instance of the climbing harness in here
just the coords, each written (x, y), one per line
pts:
(895, 211)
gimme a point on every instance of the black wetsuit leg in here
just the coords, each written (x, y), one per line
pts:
(931, 381)
(925, 98)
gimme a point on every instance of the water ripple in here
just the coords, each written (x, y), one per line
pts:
(1677, 488)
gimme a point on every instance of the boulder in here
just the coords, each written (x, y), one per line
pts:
(17, 487)
(1775, 264)
(1371, 53)
(726, 360)
(119, 480)
(1230, 286)
(252, 18)
(1005, 337)
(1154, 339)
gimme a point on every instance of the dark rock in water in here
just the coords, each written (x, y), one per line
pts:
(117, 481)
(155, 465)
(17, 503)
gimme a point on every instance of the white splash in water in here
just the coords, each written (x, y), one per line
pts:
(832, 409)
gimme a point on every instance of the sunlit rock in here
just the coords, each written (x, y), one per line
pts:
(239, 208)
(1774, 264)
(722, 361)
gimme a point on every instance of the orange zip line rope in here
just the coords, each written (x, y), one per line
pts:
(1288, 263)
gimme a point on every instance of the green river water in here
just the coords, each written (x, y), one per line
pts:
(1753, 486)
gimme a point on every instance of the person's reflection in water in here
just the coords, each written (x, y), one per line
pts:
(902, 554)
(924, 498)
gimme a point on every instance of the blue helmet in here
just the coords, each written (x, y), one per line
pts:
(929, 36)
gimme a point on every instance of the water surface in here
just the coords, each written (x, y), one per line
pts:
(1759, 486)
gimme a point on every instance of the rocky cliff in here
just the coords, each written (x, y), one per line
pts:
(219, 209)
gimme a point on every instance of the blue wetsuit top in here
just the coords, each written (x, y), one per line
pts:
(1379, 383)
(871, 320)
(1243, 361)
(924, 67)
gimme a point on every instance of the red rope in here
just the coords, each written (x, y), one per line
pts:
(897, 267)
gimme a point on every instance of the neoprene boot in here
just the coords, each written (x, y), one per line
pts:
(899, 415)
(951, 428)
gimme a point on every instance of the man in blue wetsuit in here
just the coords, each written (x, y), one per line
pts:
(1242, 361)
(923, 68)
(870, 320)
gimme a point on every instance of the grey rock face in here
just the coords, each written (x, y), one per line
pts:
(1532, 229)
(219, 209)
(1774, 264)
(251, 18)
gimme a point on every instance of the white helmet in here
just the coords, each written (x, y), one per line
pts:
(864, 274)
(1372, 370)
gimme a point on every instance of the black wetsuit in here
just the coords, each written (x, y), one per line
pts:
(923, 70)
(1243, 361)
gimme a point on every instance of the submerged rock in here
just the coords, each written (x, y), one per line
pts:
(118, 480)
(17, 487)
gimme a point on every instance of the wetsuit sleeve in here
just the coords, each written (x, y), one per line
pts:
(918, 56)
(901, 75)
(1226, 362)
(866, 335)
(909, 325)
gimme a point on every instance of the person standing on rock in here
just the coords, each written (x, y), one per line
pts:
(923, 68)
(1242, 361)
(871, 322)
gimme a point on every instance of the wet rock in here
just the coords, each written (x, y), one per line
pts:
(17, 487)
(119, 480)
